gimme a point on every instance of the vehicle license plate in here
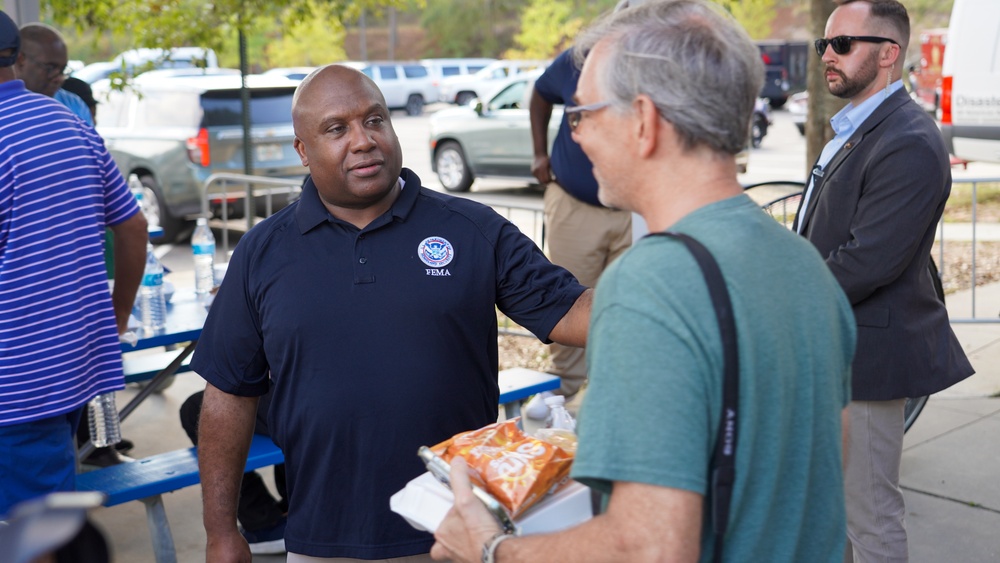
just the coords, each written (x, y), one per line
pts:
(269, 152)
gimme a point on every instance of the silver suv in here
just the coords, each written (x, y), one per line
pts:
(406, 86)
(173, 132)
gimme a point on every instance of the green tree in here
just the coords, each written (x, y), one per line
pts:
(470, 28)
(754, 15)
(550, 26)
(171, 23)
(546, 27)
(310, 42)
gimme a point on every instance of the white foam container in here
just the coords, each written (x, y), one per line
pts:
(424, 502)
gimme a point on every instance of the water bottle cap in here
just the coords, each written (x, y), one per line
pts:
(555, 400)
(202, 221)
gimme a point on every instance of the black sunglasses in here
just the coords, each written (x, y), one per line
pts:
(842, 43)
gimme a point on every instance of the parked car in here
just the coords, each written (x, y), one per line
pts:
(784, 69)
(487, 139)
(406, 86)
(798, 107)
(96, 71)
(462, 89)
(175, 131)
(137, 61)
(443, 68)
(292, 72)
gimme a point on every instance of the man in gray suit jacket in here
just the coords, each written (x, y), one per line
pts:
(871, 206)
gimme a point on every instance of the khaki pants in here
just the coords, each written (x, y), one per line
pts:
(584, 239)
(875, 511)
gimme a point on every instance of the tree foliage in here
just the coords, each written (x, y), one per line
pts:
(171, 23)
(754, 15)
(550, 26)
(470, 28)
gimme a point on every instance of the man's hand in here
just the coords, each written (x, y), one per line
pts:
(228, 548)
(467, 526)
(541, 169)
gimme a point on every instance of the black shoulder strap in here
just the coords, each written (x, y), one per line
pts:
(723, 466)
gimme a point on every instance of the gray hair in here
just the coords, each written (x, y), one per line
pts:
(693, 60)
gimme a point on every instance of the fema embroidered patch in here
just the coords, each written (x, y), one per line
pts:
(436, 252)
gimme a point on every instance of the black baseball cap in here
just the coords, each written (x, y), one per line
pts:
(10, 38)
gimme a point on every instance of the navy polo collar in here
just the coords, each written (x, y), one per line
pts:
(311, 211)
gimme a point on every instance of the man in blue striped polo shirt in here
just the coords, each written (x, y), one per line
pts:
(59, 324)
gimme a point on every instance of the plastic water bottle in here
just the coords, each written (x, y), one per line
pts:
(560, 427)
(203, 245)
(105, 426)
(559, 417)
(137, 189)
(152, 305)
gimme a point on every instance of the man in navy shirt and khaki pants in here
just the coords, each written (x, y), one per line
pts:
(581, 235)
(370, 304)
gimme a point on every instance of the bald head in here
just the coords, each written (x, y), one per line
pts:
(43, 58)
(344, 135)
(322, 86)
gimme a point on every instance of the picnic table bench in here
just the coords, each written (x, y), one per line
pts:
(149, 478)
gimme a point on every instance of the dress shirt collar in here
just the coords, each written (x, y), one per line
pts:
(847, 120)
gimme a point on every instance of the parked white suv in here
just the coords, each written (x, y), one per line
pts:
(443, 68)
(406, 86)
(461, 89)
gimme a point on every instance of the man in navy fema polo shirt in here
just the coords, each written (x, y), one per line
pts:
(370, 304)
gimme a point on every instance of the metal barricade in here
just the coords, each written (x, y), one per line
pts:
(226, 190)
(973, 233)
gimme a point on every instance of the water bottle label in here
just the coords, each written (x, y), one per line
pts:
(203, 248)
(152, 279)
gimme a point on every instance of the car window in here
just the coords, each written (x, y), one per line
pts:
(388, 72)
(368, 72)
(475, 68)
(510, 97)
(415, 71)
(167, 109)
(112, 112)
(499, 73)
(450, 71)
(267, 107)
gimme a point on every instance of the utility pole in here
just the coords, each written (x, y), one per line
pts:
(363, 38)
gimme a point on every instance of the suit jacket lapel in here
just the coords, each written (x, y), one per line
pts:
(896, 100)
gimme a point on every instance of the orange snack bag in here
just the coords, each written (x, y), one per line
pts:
(513, 467)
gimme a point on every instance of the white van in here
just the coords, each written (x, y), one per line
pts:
(970, 84)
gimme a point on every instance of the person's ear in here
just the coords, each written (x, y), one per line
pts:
(891, 54)
(301, 149)
(647, 124)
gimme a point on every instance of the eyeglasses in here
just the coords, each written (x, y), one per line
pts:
(842, 43)
(574, 114)
(51, 69)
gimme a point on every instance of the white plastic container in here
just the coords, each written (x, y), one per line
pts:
(424, 502)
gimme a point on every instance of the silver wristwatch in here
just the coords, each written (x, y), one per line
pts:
(490, 547)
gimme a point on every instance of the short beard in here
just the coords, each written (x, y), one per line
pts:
(852, 86)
